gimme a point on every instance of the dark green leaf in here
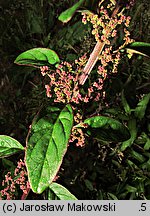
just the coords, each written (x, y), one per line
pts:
(61, 192)
(9, 146)
(147, 144)
(92, 5)
(131, 164)
(146, 165)
(140, 48)
(138, 156)
(130, 189)
(46, 148)
(112, 196)
(8, 165)
(141, 106)
(106, 128)
(140, 187)
(51, 195)
(133, 131)
(125, 103)
(37, 57)
(68, 14)
(88, 184)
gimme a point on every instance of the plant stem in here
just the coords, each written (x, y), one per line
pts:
(94, 55)
(91, 61)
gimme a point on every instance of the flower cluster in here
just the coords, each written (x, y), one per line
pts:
(106, 28)
(62, 83)
(10, 183)
(78, 136)
(63, 86)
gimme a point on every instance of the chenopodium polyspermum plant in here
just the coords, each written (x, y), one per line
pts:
(107, 26)
(51, 133)
(65, 82)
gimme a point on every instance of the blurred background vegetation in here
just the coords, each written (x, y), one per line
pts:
(99, 172)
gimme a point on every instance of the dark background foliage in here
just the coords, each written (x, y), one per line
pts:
(96, 171)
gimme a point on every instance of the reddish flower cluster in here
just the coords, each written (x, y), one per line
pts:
(77, 134)
(63, 86)
(10, 183)
(62, 83)
(44, 70)
(105, 30)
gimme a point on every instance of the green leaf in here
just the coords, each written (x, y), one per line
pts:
(8, 165)
(147, 144)
(47, 147)
(106, 128)
(137, 156)
(131, 164)
(141, 107)
(130, 188)
(68, 14)
(92, 5)
(140, 48)
(61, 192)
(125, 103)
(146, 165)
(9, 146)
(112, 196)
(37, 57)
(89, 184)
(133, 131)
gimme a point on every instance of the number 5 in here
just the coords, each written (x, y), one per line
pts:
(143, 206)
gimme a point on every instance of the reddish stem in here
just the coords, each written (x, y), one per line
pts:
(94, 55)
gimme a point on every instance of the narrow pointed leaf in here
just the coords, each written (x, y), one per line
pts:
(112, 196)
(9, 146)
(46, 148)
(140, 48)
(61, 192)
(37, 57)
(107, 129)
(133, 131)
(68, 14)
(125, 103)
(147, 144)
(130, 189)
(138, 156)
(88, 185)
(141, 106)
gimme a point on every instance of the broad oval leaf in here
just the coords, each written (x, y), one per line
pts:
(107, 129)
(37, 57)
(66, 15)
(46, 148)
(61, 192)
(140, 48)
(9, 146)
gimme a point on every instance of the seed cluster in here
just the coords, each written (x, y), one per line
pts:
(63, 86)
(12, 181)
(106, 29)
